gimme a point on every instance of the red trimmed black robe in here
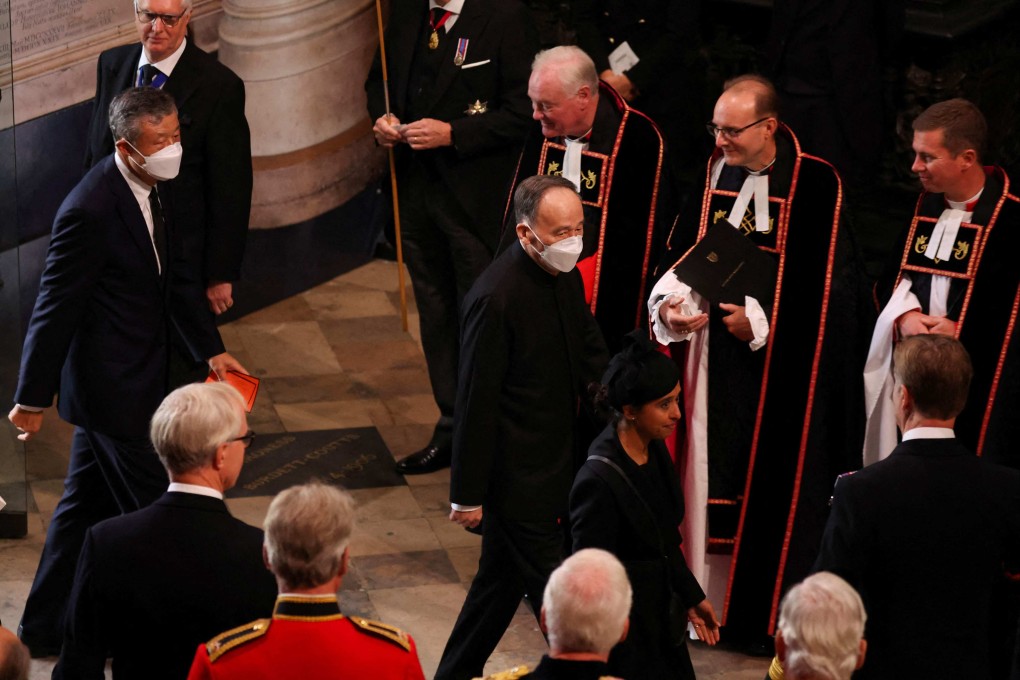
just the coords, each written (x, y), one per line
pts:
(627, 207)
(785, 420)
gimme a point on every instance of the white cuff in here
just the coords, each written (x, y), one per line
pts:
(464, 508)
(759, 322)
(666, 288)
(30, 409)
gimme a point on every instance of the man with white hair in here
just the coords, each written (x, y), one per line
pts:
(820, 635)
(308, 532)
(152, 584)
(584, 613)
(615, 157)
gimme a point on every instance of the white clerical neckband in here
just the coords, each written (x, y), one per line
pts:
(755, 184)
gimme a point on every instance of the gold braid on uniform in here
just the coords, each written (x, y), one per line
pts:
(776, 670)
(235, 637)
(382, 630)
(512, 674)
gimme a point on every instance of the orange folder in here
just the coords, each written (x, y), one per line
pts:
(247, 385)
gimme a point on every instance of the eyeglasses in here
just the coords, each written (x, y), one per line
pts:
(248, 437)
(169, 20)
(731, 133)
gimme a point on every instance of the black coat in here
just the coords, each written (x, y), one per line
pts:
(500, 45)
(639, 523)
(530, 348)
(154, 584)
(922, 535)
(215, 183)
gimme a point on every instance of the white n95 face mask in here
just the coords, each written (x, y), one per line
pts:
(163, 165)
(562, 255)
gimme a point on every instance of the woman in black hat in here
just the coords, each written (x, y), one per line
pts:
(627, 499)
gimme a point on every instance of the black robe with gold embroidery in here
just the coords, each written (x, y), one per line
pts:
(984, 298)
(785, 420)
(627, 207)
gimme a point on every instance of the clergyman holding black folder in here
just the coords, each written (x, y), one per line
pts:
(758, 301)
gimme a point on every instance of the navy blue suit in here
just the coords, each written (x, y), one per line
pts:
(154, 584)
(99, 336)
(922, 535)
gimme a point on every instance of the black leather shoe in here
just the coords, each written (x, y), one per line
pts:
(429, 459)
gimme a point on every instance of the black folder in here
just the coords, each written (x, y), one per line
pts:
(726, 265)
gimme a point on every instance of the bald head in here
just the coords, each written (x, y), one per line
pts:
(756, 90)
(745, 122)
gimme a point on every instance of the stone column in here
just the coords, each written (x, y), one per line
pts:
(304, 64)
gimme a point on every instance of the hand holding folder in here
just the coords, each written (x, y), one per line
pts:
(247, 385)
(725, 266)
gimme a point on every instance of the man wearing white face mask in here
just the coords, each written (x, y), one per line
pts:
(529, 349)
(112, 286)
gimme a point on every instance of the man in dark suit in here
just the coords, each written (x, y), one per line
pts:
(112, 286)
(584, 613)
(530, 350)
(153, 584)
(214, 186)
(458, 79)
(923, 534)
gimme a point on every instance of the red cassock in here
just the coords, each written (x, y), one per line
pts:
(308, 638)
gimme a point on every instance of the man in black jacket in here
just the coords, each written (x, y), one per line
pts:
(459, 112)
(530, 349)
(154, 584)
(929, 526)
(215, 183)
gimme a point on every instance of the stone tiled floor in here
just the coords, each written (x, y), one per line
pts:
(336, 357)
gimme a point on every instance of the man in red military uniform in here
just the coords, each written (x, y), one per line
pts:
(307, 531)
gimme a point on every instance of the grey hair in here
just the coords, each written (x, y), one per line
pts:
(530, 192)
(822, 622)
(308, 527)
(192, 422)
(136, 104)
(573, 65)
(586, 602)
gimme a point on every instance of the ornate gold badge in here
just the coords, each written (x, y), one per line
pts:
(478, 107)
(553, 169)
(589, 180)
(961, 250)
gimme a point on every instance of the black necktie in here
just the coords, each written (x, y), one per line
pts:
(149, 72)
(158, 229)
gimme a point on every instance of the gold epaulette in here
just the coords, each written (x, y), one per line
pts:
(512, 674)
(776, 669)
(235, 637)
(385, 631)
